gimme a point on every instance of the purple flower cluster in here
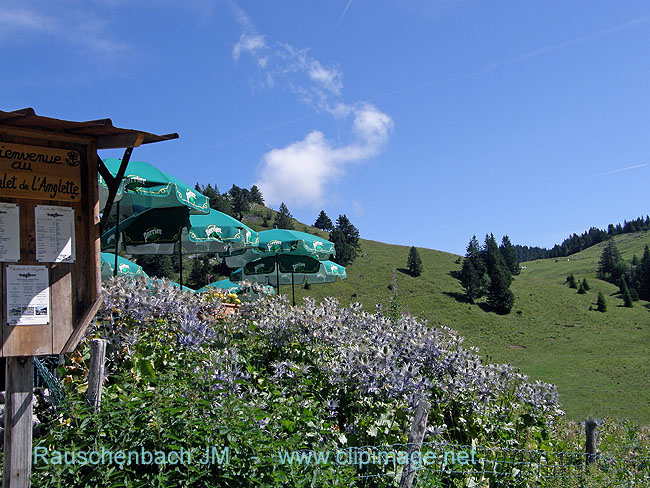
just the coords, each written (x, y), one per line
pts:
(402, 360)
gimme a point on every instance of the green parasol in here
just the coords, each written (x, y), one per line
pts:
(281, 241)
(280, 268)
(124, 266)
(224, 285)
(158, 231)
(145, 186)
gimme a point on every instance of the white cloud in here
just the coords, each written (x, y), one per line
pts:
(302, 172)
(250, 44)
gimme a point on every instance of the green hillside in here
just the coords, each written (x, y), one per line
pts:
(599, 361)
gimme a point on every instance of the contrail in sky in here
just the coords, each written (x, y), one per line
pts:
(521, 58)
(618, 170)
(345, 11)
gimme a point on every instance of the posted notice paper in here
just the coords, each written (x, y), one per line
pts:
(28, 295)
(55, 241)
(9, 233)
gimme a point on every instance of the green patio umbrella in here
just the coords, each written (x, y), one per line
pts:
(280, 268)
(124, 266)
(223, 285)
(281, 241)
(159, 230)
(144, 186)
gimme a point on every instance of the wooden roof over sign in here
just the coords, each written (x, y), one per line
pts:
(102, 130)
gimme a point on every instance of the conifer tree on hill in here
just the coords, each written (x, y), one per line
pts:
(414, 263)
(239, 201)
(218, 202)
(283, 220)
(158, 265)
(509, 256)
(473, 274)
(323, 222)
(255, 195)
(345, 237)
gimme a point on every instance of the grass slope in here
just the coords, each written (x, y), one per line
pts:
(599, 361)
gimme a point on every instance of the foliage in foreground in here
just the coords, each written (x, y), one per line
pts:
(277, 379)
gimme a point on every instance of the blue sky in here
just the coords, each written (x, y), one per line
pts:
(424, 121)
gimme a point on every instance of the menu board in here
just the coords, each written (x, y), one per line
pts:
(28, 295)
(55, 242)
(9, 232)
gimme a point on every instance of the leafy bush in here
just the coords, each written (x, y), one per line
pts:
(275, 378)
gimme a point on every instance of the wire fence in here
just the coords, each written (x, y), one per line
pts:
(44, 377)
(441, 464)
(455, 465)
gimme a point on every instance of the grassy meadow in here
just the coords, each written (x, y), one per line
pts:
(599, 361)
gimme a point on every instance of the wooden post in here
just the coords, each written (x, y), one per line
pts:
(96, 372)
(415, 442)
(590, 443)
(17, 466)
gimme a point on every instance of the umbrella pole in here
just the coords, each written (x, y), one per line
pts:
(277, 274)
(293, 291)
(117, 236)
(180, 261)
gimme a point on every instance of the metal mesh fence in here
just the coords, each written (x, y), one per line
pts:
(43, 376)
(453, 465)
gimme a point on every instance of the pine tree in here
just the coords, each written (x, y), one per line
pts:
(323, 222)
(581, 288)
(255, 195)
(500, 298)
(239, 201)
(345, 237)
(571, 280)
(283, 220)
(470, 280)
(493, 259)
(414, 263)
(627, 296)
(509, 255)
(473, 276)
(601, 304)
(643, 274)
(198, 274)
(610, 259)
(585, 285)
(159, 265)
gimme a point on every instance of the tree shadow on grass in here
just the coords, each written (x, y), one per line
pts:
(461, 298)
(404, 271)
(455, 274)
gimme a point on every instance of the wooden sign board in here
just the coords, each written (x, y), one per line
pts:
(50, 285)
(41, 173)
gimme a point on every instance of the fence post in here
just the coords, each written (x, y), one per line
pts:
(415, 442)
(96, 372)
(18, 422)
(590, 443)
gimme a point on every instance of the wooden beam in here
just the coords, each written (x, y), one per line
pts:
(17, 462)
(85, 321)
(119, 141)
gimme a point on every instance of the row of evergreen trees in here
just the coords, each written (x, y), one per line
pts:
(489, 270)
(633, 279)
(236, 202)
(577, 243)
